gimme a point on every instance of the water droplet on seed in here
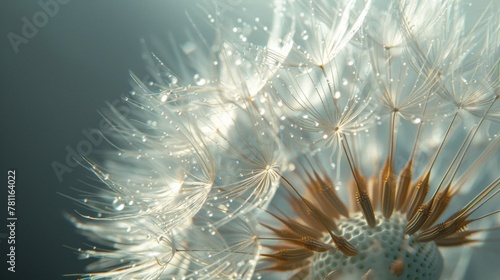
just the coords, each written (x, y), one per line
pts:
(199, 80)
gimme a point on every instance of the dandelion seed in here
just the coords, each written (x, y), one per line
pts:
(329, 145)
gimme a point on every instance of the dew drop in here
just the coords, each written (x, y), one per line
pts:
(120, 207)
(199, 80)
(188, 47)
(173, 79)
(304, 35)
(304, 69)
(118, 204)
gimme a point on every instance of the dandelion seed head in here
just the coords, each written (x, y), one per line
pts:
(315, 141)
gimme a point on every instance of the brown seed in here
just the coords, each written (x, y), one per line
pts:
(366, 207)
(344, 246)
(397, 268)
(388, 186)
(421, 190)
(404, 185)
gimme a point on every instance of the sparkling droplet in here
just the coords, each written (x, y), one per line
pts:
(118, 204)
(173, 79)
(199, 80)
(304, 35)
(188, 47)
(120, 207)
(304, 69)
